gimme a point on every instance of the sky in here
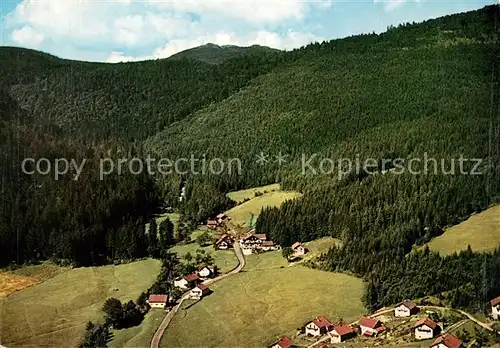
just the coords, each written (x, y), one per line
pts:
(130, 30)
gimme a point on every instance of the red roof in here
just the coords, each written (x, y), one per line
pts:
(428, 322)
(284, 342)
(448, 340)
(321, 321)
(191, 277)
(381, 328)
(204, 289)
(369, 322)
(343, 329)
(495, 301)
(158, 299)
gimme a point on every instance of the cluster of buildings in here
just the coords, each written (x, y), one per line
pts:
(256, 242)
(192, 282)
(219, 221)
(424, 329)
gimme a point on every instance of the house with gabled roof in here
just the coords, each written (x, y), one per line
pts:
(370, 326)
(447, 341)
(206, 271)
(405, 309)
(224, 242)
(269, 245)
(199, 291)
(426, 329)
(283, 342)
(495, 308)
(212, 224)
(341, 332)
(318, 326)
(157, 301)
(188, 281)
(299, 249)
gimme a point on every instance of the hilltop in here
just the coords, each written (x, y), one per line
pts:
(215, 54)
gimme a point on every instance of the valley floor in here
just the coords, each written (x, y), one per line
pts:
(267, 299)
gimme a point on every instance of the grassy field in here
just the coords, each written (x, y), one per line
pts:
(11, 281)
(480, 231)
(240, 196)
(55, 312)
(266, 300)
(224, 259)
(138, 336)
(241, 214)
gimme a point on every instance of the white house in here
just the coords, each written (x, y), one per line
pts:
(269, 245)
(187, 282)
(318, 326)
(206, 271)
(447, 341)
(495, 308)
(405, 309)
(181, 283)
(157, 301)
(283, 342)
(426, 329)
(370, 326)
(299, 249)
(341, 333)
(198, 292)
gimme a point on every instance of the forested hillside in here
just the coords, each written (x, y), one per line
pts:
(126, 101)
(428, 90)
(420, 90)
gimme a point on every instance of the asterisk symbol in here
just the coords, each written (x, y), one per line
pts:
(262, 158)
(280, 158)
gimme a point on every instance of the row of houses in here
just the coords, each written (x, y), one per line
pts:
(423, 329)
(192, 282)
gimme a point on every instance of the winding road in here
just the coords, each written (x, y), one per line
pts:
(168, 318)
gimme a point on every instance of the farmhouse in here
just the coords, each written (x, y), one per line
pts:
(269, 245)
(495, 308)
(426, 329)
(198, 292)
(447, 341)
(299, 249)
(405, 309)
(370, 327)
(224, 242)
(318, 326)
(187, 282)
(341, 333)
(222, 217)
(212, 224)
(157, 301)
(283, 342)
(206, 271)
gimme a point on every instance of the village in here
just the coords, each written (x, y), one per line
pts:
(406, 322)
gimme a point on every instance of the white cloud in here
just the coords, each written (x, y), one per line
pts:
(261, 11)
(289, 40)
(27, 36)
(390, 5)
(156, 29)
